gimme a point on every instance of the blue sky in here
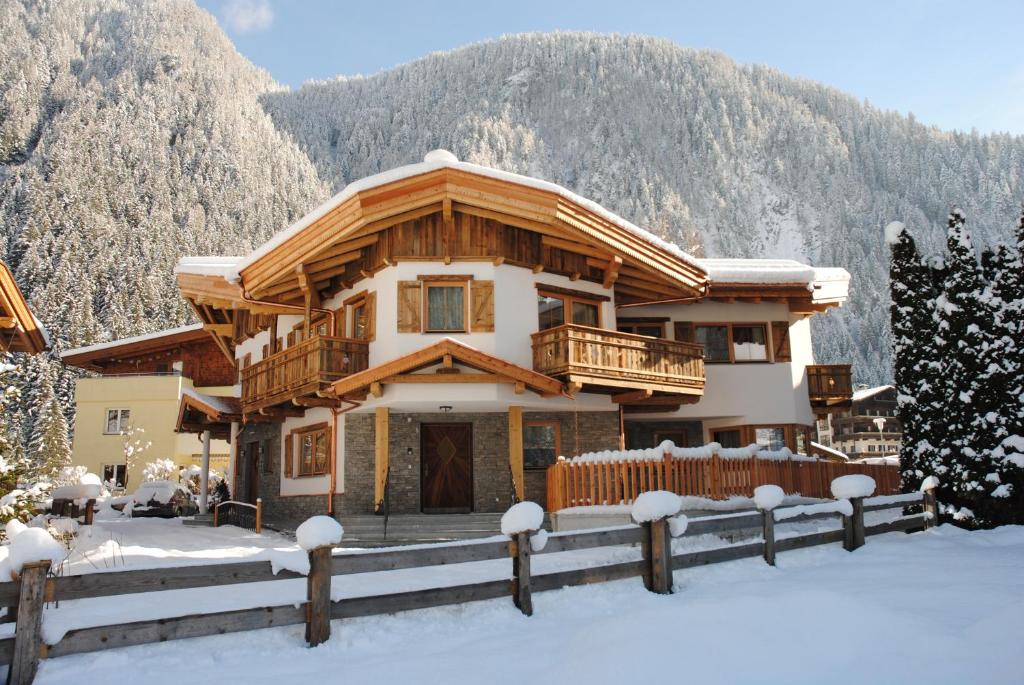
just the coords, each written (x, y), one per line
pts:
(953, 64)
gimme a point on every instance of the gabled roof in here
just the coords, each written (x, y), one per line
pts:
(20, 330)
(198, 412)
(92, 356)
(817, 288)
(446, 350)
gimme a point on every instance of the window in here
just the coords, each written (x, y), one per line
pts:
(723, 342)
(541, 443)
(553, 305)
(773, 439)
(727, 438)
(115, 473)
(653, 329)
(117, 421)
(359, 316)
(311, 451)
(749, 343)
(715, 340)
(446, 307)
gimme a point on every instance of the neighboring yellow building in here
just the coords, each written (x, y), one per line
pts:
(137, 400)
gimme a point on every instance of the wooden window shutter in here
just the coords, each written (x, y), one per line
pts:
(409, 293)
(684, 331)
(780, 341)
(371, 316)
(289, 440)
(482, 306)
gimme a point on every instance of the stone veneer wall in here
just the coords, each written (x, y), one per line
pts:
(641, 434)
(492, 487)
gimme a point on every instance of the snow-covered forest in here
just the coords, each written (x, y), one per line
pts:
(133, 132)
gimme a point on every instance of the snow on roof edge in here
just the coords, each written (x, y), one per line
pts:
(865, 393)
(128, 341)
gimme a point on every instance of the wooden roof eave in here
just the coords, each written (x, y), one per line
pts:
(14, 305)
(212, 417)
(358, 383)
(376, 207)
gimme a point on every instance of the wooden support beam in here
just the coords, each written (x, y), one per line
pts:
(573, 387)
(499, 260)
(515, 449)
(7, 322)
(380, 457)
(314, 402)
(635, 396)
(376, 389)
(611, 272)
(519, 388)
(447, 378)
(281, 412)
(575, 276)
(537, 268)
(578, 248)
(225, 330)
(446, 361)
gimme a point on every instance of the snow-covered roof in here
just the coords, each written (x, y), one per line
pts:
(219, 403)
(832, 281)
(231, 268)
(829, 450)
(865, 393)
(129, 341)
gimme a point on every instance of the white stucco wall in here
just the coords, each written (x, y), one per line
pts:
(314, 485)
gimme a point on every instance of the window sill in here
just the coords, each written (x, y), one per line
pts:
(308, 475)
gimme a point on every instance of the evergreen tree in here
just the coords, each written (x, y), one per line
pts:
(49, 449)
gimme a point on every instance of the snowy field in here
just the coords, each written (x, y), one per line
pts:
(944, 606)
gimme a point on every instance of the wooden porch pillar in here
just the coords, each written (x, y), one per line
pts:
(380, 458)
(515, 449)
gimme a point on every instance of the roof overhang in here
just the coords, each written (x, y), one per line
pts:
(92, 357)
(198, 412)
(20, 331)
(445, 353)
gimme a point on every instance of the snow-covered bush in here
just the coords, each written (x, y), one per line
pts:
(160, 470)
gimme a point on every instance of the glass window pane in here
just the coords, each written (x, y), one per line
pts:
(773, 439)
(748, 343)
(727, 438)
(715, 340)
(359, 322)
(550, 312)
(321, 452)
(123, 422)
(652, 331)
(584, 314)
(445, 308)
(111, 421)
(539, 445)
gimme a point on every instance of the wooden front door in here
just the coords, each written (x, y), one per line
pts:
(252, 473)
(446, 467)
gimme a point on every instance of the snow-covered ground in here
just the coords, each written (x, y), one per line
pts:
(944, 606)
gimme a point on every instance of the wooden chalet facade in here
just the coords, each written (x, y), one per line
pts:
(434, 336)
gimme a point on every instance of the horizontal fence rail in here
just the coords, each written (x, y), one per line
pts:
(29, 594)
(577, 484)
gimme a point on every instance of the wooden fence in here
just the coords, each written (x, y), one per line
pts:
(28, 595)
(576, 484)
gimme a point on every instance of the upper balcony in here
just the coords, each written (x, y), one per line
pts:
(601, 360)
(829, 386)
(301, 370)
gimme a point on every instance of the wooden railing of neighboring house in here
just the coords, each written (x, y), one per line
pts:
(575, 484)
(610, 358)
(27, 595)
(301, 369)
(241, 514)
(829, 385)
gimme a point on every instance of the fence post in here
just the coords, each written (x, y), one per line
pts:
(216, 514)
(853, 526)
(28, 637)
(931, 506)
(259, 514)
(90, 506)
(318, 596)
(656, 546)
(768, 531)
(519, 550)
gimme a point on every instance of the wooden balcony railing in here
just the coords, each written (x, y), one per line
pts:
(300, 370)
(612, 359)
(829, 385)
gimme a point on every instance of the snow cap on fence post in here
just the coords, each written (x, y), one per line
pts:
(34, 545)
(656, 505)
(768, 497)
(318, 531)
(853, 486)
(522, 517)
(929, 483)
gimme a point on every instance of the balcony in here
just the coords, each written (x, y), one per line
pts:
(608, 361)
(301, 370)
(829, 386)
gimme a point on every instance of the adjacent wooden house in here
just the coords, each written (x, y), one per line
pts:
(20, 330)
(434, 336)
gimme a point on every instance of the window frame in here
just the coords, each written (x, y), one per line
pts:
(632, 326)
(568, 300)
(543, 423)
(348, 314)
(295, 437)
(116, 467)
(426, 285)
(120, 411)
(729, 325)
